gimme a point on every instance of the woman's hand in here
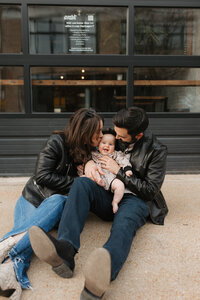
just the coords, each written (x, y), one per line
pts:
(93, 172)
(109, 164)
(80, 169)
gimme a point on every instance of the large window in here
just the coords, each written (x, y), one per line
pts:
(10, 29)
(167, 31)
(167, 89)
(75, 30)
(58, 57)
(66, 89)
(11, 89)
(171, 31)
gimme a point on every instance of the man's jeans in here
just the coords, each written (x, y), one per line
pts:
(85, 195)
(25, 216)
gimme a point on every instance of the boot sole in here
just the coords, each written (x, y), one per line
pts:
(45, 250)
(97, 273)
(86, 295)
(63, 271)
(44, 247)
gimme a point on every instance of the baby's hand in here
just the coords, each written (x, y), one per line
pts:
(129, 173)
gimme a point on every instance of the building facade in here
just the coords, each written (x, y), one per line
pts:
(57, 58)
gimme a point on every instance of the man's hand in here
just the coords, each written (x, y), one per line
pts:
(109, 164)
(93, 172)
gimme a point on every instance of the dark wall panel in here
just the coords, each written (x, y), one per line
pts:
(183, 164)
(182, 145)
(17, 165)
(176, 126)
(30, 127)
(22, 139)
(21, 146)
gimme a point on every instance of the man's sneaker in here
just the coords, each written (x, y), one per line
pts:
(57, 253)
(97, 274)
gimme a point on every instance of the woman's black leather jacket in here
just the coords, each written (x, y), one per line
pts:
(54, 172)
(148, 159)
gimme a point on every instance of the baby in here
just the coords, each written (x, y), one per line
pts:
(108, 180)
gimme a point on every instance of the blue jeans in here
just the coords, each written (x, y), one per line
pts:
(26, 215)
(84, 196)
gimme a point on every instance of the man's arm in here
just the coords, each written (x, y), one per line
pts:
(146, 188)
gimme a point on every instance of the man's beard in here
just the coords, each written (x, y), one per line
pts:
(124, 145)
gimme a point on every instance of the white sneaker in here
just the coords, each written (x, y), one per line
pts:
(5, 247)
(9, 286)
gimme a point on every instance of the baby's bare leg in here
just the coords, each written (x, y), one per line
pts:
(117, 188)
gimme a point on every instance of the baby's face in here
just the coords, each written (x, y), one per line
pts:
(107, 144)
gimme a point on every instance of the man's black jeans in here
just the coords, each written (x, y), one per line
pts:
(85, 195)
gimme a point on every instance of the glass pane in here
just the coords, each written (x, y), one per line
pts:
(66, 89)
(167, 31)
(167, 89)
(10, 26)
(11, 89)
(77, 30)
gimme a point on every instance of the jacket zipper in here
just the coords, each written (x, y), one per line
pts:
(39, 189)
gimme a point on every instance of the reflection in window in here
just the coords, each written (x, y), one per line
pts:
(11, 89)
(10, 29)
(75, 30)
(167, 89)
(167, 31)
(66, 89)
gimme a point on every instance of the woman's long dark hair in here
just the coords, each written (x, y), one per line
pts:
(83, 124)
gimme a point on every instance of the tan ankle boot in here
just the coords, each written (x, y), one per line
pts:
(5, 247)
(8, 282)
(97, 271)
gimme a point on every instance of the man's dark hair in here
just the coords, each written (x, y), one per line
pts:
(134, 119)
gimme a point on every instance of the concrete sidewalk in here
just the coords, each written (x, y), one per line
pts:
(164, 261)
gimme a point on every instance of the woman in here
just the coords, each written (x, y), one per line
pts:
(43, 197)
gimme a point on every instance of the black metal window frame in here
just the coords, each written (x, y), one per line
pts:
(130, 61)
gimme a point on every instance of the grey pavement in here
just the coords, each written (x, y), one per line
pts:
(164, 261)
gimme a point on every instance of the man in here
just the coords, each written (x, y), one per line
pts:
(148, 159)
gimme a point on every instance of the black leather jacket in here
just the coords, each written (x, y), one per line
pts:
(148, 159)
(54, 172)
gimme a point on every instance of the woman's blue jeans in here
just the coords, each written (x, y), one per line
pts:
(84, 196)
(26, 215)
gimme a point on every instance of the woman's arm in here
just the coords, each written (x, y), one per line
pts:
(50, 169)
(93, 171)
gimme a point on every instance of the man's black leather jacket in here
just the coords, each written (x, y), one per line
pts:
(148, 159)
(54, 172)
